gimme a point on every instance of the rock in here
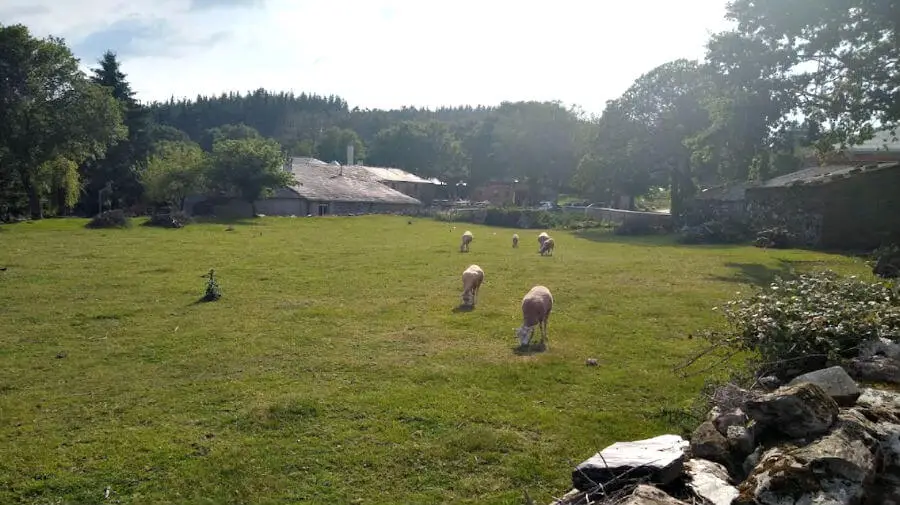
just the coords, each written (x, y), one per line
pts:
(875, 369)
(834, 469)
(885, 490)
(769, 382)
(660, 459)
(709, 481)
(740, 439)
(734, 417)
(797, 411)
(708, 443)
(649, 495)
(835, 382)
(881, 347)
(884, 436)
(879, 399)
(752, 460)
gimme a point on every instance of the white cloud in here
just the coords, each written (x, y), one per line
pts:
(386, 53)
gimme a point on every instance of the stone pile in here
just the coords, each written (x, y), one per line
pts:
(818, 440)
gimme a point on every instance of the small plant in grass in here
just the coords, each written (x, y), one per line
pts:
(213, 292)
(110, 219)
(796, 326)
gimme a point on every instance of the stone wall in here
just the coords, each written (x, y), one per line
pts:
(857, 211)
(820, 439)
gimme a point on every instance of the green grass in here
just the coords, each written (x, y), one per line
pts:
(334, 369)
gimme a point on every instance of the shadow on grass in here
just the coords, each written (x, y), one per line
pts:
(463, 308)
(530, 349)
(241, 221)
(757, 274)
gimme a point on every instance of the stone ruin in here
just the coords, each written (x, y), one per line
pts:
(818, 440)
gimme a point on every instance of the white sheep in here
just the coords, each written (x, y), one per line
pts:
(466, 240)
(547, 246)
(515, 240)
(542, 237)
(536, 307)
(472, 278)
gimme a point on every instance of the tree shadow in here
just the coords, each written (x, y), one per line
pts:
(758, 274)
(463, 308)
(242, 221)
(530, 349)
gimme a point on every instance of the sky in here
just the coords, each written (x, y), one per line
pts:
(381, 53)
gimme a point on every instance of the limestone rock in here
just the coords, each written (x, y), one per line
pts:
(660, 459)
(649, 495)
(875, 369)
(740, 439)
(734, 417)
(879, 399)
(834, 469)
(709, 481)
(797, 411)
(708, 443)
(835, 382)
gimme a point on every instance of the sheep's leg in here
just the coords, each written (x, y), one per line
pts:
(546, 333)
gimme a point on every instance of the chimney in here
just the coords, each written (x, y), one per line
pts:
(349, 154)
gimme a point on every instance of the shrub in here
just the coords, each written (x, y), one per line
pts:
(175, 219)
(886, 262)
(213, 292)
(720, 231)
(774, 238)
(110, 219)
(637, 227)
(509, 217)
(796, 326)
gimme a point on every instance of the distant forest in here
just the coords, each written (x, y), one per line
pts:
(68, 139)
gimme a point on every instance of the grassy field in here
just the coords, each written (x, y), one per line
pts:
(334, 369)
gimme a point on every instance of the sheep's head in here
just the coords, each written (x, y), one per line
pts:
(523, 333)
(467, 297)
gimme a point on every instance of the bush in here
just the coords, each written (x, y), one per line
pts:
(509, 217)
(110, 219)
(796, 326)
(213, 292)
(886, 262)
(638, 227)
(774, 238)
(720, 231)
(175, 219)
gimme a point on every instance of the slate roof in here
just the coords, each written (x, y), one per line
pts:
(824, 174)
(317, 180)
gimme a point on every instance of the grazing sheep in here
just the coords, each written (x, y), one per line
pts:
(472, 278)
(542, 237)
(515, 240)
(547, 246)
(536, 307)
(466, 240)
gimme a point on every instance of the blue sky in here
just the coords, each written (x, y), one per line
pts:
(381, 53)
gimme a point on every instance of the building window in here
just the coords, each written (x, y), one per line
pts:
(323, 209)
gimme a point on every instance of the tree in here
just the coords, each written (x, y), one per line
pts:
(332, 145)
(120, 167)
(238, 131)
(49, 111)
(427, 149)
(249, 168)
(174, 171)
(836, 58)
(643, 136)
(536, 141)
